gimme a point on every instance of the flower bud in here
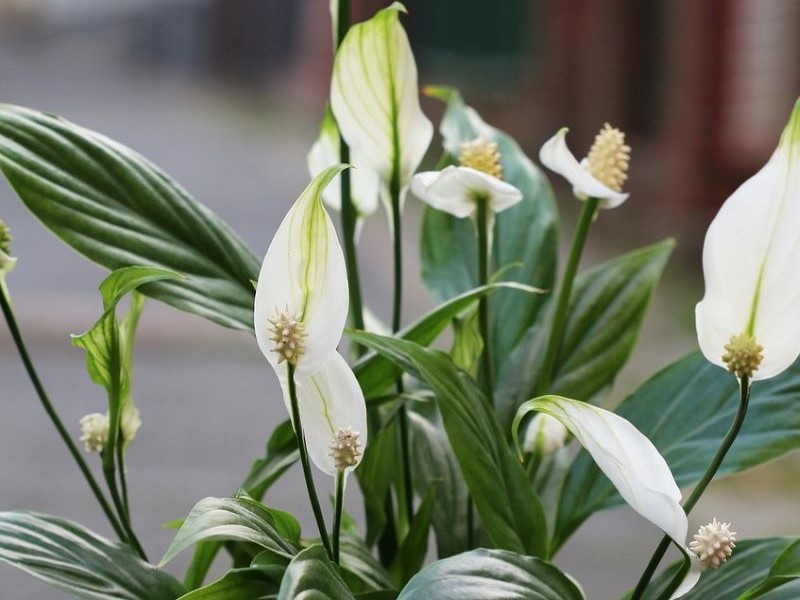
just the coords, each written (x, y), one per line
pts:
(94, 432)
(544, 436)
(7, 262)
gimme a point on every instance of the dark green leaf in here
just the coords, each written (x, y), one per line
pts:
(359, 564)
(118, 209)
(281, 454)
(750, 563)
(376, 374)
(242, 584)
(504, 498)
(76, 560)
(239, 519)
(436, 468)
(784, 570)
(606, 310)
(525, 235)
(414, 546)
(491, 575)
(686, 410)
(311, 576)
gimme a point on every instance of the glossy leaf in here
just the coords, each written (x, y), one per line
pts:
(491, 575)
(118, 209)
(608, 305)
(414, 547)
(312, 575)
(73, 559)
(375, 373)
(504, 499)
(241, 584)
(281, 454)
(785, 570)
(524, 235)
(360, 569)
(239, 519)
(685, 410)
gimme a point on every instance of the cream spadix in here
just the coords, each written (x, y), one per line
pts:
(629, 460)
(749, 317)
(375, 99)
(301, 297)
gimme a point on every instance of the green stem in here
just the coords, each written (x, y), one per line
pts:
(562, 303)
(406, 454)
(349, 218)
(700, 488)
(484, 262)
(301, 445)
(109, 472)
(337, 518)
(53, 415)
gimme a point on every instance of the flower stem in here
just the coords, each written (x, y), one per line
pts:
(301, 445)
(53, 414)
(109, 471)
(337, 515)
(562, 303)
(700, 488)
(484, 261)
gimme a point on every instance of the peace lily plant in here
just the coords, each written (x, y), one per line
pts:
(499, 448)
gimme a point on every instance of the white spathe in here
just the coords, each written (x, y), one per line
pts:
(751, 263)
(556, 156)
(329, 400)
(304, 275)
(375, 99)
(364, 183)
(456, 190)
(632, 464)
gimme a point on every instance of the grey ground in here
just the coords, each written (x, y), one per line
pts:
(207, 397)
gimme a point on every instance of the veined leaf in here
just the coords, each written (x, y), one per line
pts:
(261, 583)
(491, 575)
(685, 410)
(358, 563)
(117, 209)
(312, 575)
(240, 519)
(78, 561)
(525, 235)
(503, 497)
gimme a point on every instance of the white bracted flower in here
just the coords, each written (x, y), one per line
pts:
(601, 174)
(94, 432)
(713, 544)
(375, 100)
(458, 189)
(7, 262)
(300, 311)
(364, 184)
(749, 318)
(544, 435)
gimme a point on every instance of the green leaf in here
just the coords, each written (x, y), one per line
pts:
(606, 311)
(375, 373)
(241, 584)
(73, 559)
(117, 209)
(784, 570)
(281, 454)
(504, 498)
(360, 569)
(750, 563)
(491, 575)
(312, 576)
(436, 468)
(685, 410)
(414, 546)
(525, 235)
(240, 519)
(467, 343)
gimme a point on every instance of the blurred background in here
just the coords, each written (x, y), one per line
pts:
(226, 96)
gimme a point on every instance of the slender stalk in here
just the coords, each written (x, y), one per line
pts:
(562, 302)
(337, 518)
(53, 414)
(349, 217)
(700, 488)
(408, 484)
(484, 262)
(301, 445)
(109, 472)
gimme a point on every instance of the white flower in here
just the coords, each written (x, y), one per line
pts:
(300, 311)
(94, 432)
(713, 544)
(458, 189)
(749, 317)
(7, 262)
(364, 184)
(601, 174)
(301, 296)
(375, 100)
(544, 435)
